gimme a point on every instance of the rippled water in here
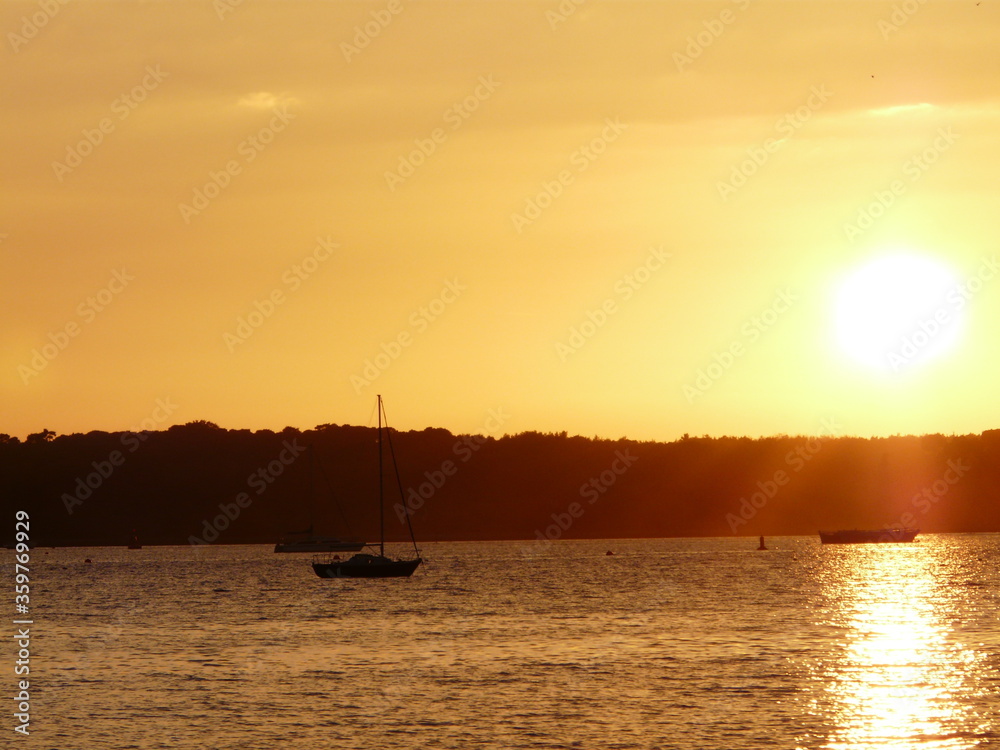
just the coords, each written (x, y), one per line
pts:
(671, 643)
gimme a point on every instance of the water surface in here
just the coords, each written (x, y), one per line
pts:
(670, 643)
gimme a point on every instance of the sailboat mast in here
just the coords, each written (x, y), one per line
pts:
(381, 504)
(312, 488)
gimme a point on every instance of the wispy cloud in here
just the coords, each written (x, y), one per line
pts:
(266, 100)
(903, 109)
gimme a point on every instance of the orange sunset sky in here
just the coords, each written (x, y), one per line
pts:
(635, 219)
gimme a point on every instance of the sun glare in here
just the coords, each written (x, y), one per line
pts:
(898, 311)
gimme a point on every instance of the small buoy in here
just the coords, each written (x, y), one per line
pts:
(762, 547)
(609, 553)
(87, 560)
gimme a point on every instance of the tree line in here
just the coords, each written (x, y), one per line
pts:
(199, 483)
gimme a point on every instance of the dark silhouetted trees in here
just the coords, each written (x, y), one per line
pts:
(254, 486)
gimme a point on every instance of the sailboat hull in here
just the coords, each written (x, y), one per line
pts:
(369, 569)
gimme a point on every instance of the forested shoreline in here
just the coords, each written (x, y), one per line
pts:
(179, 485)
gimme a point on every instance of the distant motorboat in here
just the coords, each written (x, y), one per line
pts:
(363, 564)
(312, 543)
(307, 540)
(868, 536)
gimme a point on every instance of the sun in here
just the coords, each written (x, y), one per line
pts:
(898, 311)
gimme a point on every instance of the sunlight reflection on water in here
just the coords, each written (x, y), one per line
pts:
(903, 679)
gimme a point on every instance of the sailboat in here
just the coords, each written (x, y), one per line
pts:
(368, 565)
(306, 540)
